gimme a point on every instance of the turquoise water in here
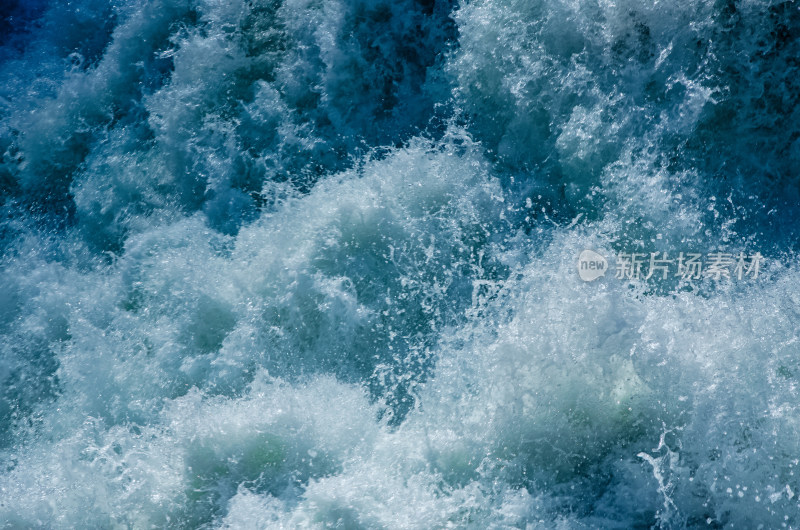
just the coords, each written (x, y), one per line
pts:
(312, 264)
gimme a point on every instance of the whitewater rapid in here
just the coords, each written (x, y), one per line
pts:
(312, 264)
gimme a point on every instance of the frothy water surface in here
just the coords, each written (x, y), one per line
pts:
(312, 264)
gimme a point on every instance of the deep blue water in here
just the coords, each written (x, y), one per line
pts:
(313, 264)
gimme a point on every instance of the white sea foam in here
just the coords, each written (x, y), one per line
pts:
(312, 264)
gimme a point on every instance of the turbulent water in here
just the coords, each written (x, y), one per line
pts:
(312, 264)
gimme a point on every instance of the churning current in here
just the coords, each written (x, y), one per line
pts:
(408, 264)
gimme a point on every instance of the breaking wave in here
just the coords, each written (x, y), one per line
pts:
(311, 264)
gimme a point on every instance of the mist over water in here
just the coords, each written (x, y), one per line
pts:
(312, 264)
